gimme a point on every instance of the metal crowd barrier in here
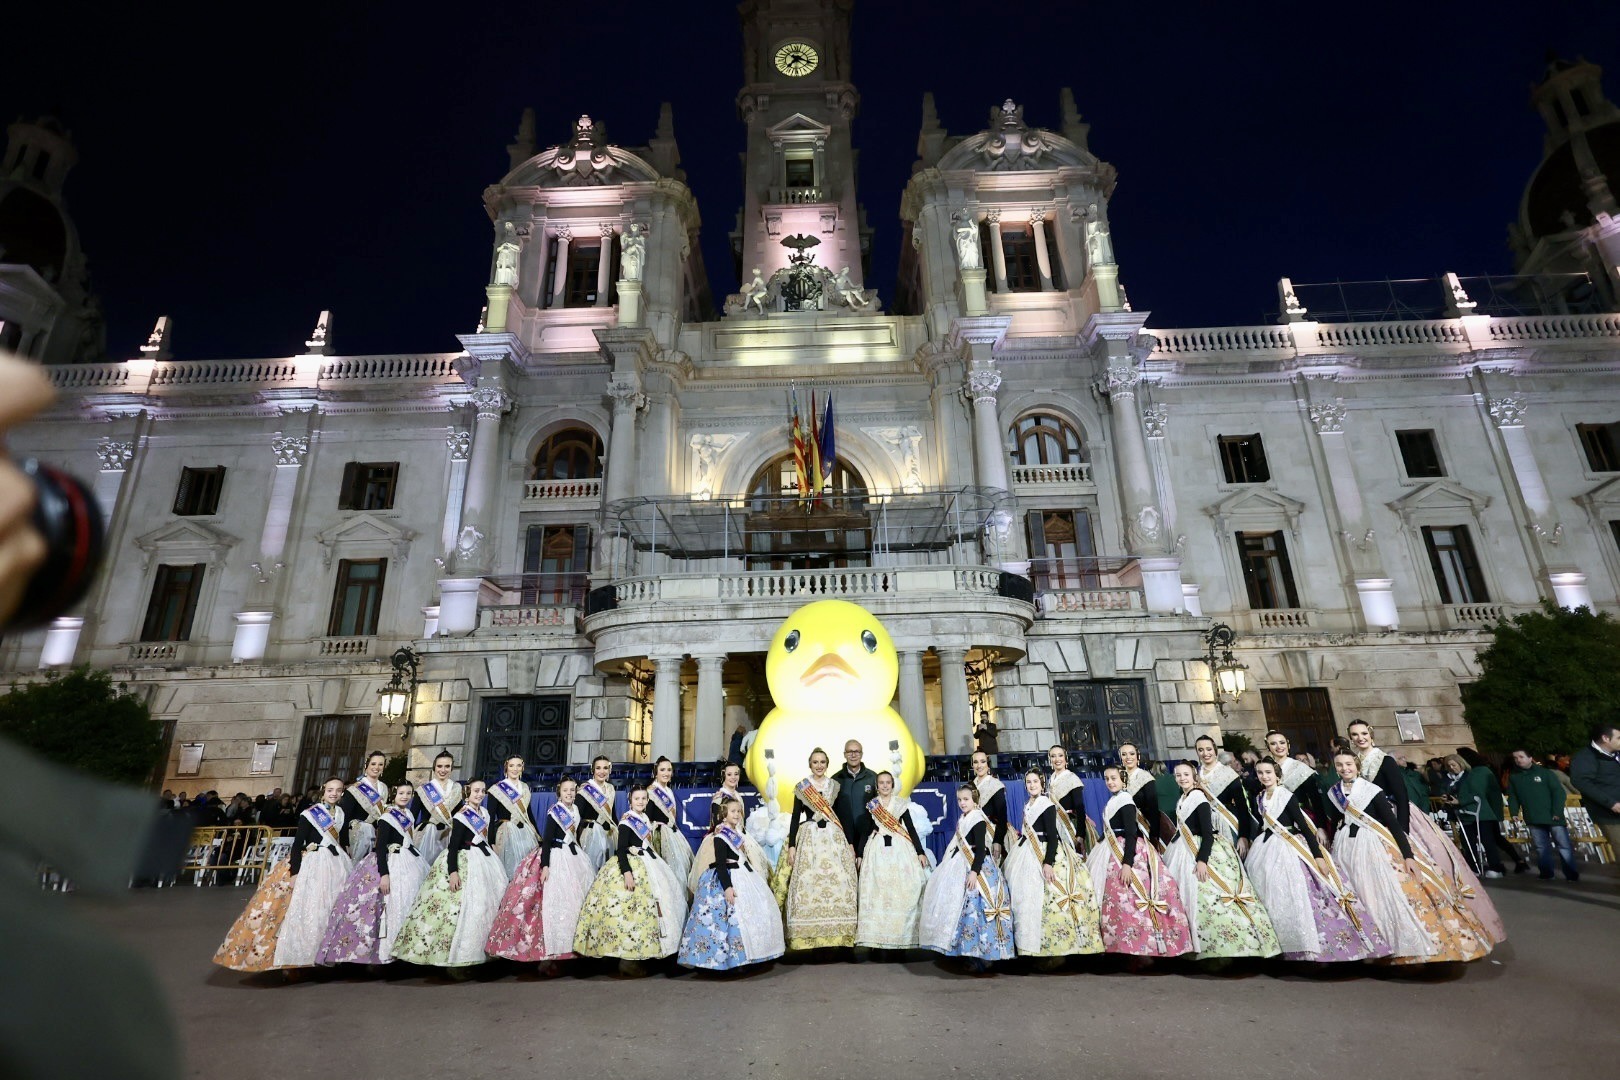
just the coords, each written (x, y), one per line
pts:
(217, 852)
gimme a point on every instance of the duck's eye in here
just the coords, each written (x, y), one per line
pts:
(792, 641)
(869, 639)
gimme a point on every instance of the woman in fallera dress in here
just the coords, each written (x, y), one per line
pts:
(821, 891)
(966, 911)
(1411, 901)
(1227, 917)
(1054, 908)
(734, 920)
(537, 916)
(1316, 914)
(508, 805)
(372, 906)
(893, 866)
(437, 800)
(362, 804)
(632, 911)
(1067, 790)
(450, 920)
(278, 927)
(730, 778)
(992, 803)
(1139, 904)
(664, 811)
(597, 833)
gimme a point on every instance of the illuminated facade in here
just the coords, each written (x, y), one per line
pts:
(587, 522)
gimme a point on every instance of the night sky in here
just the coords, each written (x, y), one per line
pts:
(242, 172)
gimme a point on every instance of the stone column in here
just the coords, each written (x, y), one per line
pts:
(1143, 520)
(1544, 535)
(1043, 258)
(709, 735)
(61, 641)
(559, 267)
(953, 696)
(604, 267)
(998, 253)
(982, 383)
(1374, 590)
(913, 708)
(459, 442)
(252, 637)
(666, 724)
(474, 553)
(620, 482)
(115, 458)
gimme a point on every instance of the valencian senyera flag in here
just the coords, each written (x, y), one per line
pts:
(800, 450)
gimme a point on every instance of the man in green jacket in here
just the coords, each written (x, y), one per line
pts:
(1481, 809)
(1535, 792)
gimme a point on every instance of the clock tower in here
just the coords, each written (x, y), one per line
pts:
(797, 102)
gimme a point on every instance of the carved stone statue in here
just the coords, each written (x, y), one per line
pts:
(706, 449)
(506, 258)
(998, 536)
(632, 252)
(754, 292)
(846, 291)
(1099, 249)
(966, 232)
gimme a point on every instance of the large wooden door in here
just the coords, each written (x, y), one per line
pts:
(1305, 715)
(533, 728)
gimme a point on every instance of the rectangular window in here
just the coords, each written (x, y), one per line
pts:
(584, 261)
(1266, 573)
(1061, 546)
(198, 493)
(1600, 442)
(1456, 570)
(1419, 454)
(357, 598)
(556, 559)
(173, 604)
(1018, 249)
(1243, 459)
(332, 746)
(368, 485)
(801, 172)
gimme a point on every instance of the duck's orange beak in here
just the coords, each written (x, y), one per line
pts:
(830, 666)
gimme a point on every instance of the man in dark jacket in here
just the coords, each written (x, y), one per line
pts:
(1595, 772)
(857, 786)
(1535, 792)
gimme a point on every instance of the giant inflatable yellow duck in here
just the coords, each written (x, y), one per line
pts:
(832, 671)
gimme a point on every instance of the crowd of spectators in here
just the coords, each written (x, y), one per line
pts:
(276, 810)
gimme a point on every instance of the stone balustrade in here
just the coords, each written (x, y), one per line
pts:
(1070, 602)
(539, 618)
(1078, 472)
(553, 490)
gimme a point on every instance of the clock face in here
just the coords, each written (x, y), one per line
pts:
(796, 58)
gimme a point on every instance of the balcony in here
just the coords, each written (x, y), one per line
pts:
(798, 196)
(158, 652)
(1074, 474)
(1473, 616)
(347, 648)
(1088, 587)
(1264, 620)
(547, 493)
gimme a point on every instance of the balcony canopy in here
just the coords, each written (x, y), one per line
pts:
(770, 526)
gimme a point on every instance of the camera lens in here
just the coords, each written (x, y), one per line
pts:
(66, 515)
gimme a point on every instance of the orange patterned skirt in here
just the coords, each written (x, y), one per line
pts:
(251, 944)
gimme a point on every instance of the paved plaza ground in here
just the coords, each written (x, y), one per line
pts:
(1544, 1004)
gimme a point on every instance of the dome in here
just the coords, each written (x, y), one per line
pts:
(1555, 201)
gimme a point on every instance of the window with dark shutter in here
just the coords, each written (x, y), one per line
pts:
(368, 485)
(1601, 442)
(1419, 454)
(357, 597)
(1266, 572)
(1456, 569)
(1243, 459)
(173, 605)
(198, 492)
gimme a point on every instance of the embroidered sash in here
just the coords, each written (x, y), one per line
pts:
(1426, 870)
(440, 801)
(638, 825)
(665, 799)
(328, 822)
(888, 820)
(564, 817)
(1146, 897)
(725, 793)
(599, 796)
(812, 797)
(1242, 897)
(996, 908)
(369, 796)
(475, 820)
(511, 794)
(1137, 780)
(1228, 818)
(401, 822)
(733, 840)
(1331, 881)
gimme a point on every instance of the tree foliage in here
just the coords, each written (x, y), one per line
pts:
(80, 720)
(1545, 679)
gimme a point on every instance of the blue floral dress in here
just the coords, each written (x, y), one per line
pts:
(721, 934)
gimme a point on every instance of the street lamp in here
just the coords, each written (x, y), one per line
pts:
(394, 700)
(1230, 677)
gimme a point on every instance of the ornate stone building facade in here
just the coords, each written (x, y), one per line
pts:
(586, 519)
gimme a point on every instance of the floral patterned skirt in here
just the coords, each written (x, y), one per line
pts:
(536, 922)
(354, 931)
(1426, 835)
(251, 943)
(891, 888)
(619, 922)
(1310, 921)
(958, 920)
(1060, 919)
(1151, 923)
(315, 892)
(821, 896)
(1422, 923)
(1226, 922)
(448, 928)
(720, 935)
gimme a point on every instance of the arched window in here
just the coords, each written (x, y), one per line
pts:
(571, 454)
(781, 478)
(785, 532)
(1044, 439)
